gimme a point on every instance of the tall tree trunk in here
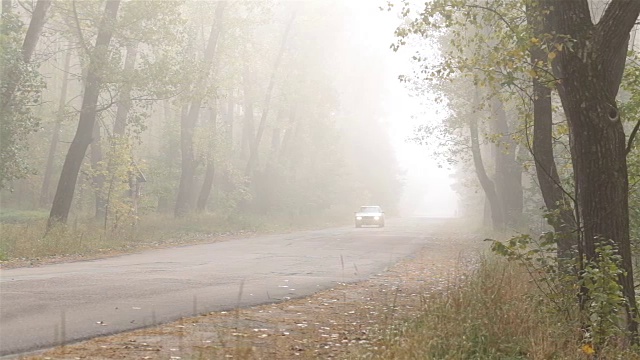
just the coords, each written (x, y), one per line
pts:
(255, 144)
(248, 128)
(508, 179)
(229, 119)
(124, 102)
(486, 183)
(184, 200)
(118, 138)
(99, 176)
(169, 155)
(207, 184)
(591, 72)
(45, 192)
(557, 202)
(78, 148)
(288, 133)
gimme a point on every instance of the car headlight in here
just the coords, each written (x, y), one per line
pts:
(376, 218)
(358, 217)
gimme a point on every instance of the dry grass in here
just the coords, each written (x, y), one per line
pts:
(495, 313)
(24, 243)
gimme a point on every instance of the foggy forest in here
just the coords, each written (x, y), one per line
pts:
(180, 160)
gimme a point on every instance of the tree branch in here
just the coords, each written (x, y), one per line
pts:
(634, 132)
(616, 23)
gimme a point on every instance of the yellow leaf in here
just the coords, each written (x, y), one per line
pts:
(588, 349)
(552, 55)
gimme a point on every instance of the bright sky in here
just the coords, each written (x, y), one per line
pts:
(427, 186)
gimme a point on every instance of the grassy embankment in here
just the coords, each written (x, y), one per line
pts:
(497, 312)
(22, 233)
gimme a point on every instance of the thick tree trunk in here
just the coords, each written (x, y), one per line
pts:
(591, 71)
(497, 216)
(207, 184)
(184, 200)
(78, 148)
(255, 144)
(45, 192)
(508, 179)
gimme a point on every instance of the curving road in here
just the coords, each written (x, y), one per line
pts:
(49, 305)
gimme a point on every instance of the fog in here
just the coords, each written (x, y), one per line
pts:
(268, 108)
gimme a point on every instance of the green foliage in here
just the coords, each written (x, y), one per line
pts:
(20, 87)
(605, 304)
(630, 109)
(596, 283)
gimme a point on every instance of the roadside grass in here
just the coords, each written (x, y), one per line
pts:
(23, 238)
(496, 312)
(21, 216)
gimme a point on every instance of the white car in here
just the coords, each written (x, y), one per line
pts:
(370, 215)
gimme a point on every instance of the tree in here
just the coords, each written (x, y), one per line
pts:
(556, 199)
(255, 143)
(45, 195)
(83, 137)
(589, 65)
(185, 197)
(209, 174)
(488, 185)
(15, 121)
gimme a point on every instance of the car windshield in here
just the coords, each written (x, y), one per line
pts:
(370, 209)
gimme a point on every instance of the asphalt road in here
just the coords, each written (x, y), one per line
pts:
(45, 306)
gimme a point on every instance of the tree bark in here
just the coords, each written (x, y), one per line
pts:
(78, 148)
(508, 179)
(557, 202)
(124, 103)
(228, 129)
(248, 128)
(184, 200)
(45, 192)
(119, 139)
(255, 144)
(590, 72)
(497, 217)
(99, 176)
(207, 184)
